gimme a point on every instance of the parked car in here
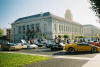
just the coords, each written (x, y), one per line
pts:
(59, 46)
(24, 45)
(32, 46)
(11, 46)
(44, 42)
(49, 43)
(75, 47)
(95, 43)
(38, 43)
(27, 45)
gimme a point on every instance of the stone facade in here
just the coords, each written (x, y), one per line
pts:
(91, 31)
(44, 25)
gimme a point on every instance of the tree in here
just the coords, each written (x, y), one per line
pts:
(1, 32)
(66, 36)
(59, 36)
(95, 6)
(78, 36)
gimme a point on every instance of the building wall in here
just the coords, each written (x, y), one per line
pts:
(91, 31)
(50, 26)
(60, 27)
(19, 29)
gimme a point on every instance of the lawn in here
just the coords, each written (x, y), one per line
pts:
(15, 60)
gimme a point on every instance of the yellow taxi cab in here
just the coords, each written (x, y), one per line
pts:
(78, 47)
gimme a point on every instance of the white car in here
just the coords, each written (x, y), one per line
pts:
(28, 45)
(32, 46)
(24, 45)
(36, 41)
(59, 46)
(39, 44)
(44, 41)
(62, 44)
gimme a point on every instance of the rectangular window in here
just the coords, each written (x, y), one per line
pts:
(23, 29)
(37, 27)
(19, 29)
(27, 27)
(32, 27)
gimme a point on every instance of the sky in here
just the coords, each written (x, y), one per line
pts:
(11, 10)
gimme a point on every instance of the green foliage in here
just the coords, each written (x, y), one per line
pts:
(59, 36)
(95, 6)
(1, 32)
(66, 36)
(78, 36)
(17, 60)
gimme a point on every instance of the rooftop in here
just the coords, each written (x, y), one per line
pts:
(46, 14)
(34, 16)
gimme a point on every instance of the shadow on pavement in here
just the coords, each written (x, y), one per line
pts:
(76, 53)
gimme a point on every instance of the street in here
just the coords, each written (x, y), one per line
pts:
(59, 58)
(47, 51)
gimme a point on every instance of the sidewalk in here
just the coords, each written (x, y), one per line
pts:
(94, 62)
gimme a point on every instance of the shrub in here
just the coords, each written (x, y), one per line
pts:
(59, 36)
(66, 36)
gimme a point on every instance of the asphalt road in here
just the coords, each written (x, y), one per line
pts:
(59, 62)
(47, 51)
(55, 62)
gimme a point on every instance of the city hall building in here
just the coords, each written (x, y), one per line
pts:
(45, 25)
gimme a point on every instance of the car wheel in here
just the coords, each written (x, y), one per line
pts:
(93, 50)
(71, 50)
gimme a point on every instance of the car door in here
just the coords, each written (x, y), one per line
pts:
(80, 47)
(85, 47)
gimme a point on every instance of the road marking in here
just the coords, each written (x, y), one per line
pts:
(53, 56)
(94, 62)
